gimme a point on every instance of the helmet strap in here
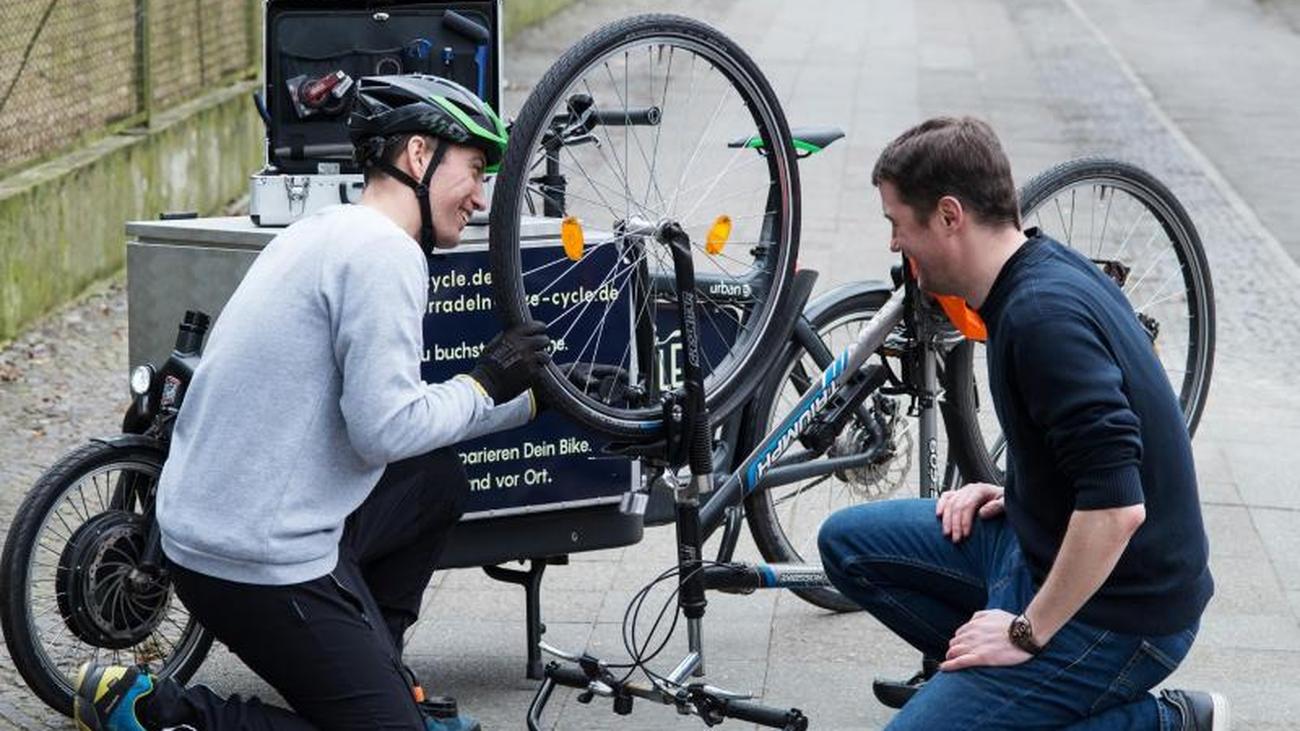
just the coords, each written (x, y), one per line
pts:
(421, 189)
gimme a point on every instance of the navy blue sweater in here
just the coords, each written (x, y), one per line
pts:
(1092, 423)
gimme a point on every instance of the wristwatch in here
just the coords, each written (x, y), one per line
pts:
(1022, 635)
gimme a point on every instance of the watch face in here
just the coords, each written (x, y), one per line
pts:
(1020, 628)
(1022, 635)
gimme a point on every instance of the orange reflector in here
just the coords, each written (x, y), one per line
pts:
(719, 232)
(967, 321)
(571, 236)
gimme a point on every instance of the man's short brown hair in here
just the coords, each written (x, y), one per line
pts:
(949, 156)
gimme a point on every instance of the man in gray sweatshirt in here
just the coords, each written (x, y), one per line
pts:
(310, 486)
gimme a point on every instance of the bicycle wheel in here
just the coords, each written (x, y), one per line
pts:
(69, 595)
(784, 520)
(1138, 233)
(649, 121)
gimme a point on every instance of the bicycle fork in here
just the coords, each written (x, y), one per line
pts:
(690, 442)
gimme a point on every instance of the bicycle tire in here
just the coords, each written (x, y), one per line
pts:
(962, 406)
(1184, 241)
(50, 681)
(723, 394)
(765, 524)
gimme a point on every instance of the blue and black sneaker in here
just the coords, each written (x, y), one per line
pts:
(440, 711)
(107, 696)
(441, 714)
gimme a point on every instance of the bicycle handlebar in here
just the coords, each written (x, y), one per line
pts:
(571, 677)
(791, 719)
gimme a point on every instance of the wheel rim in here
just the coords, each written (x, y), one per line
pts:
(799, 508)
(1111, 219)
(628, 270)
(139, 626)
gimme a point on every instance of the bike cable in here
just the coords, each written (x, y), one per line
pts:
(631, 618)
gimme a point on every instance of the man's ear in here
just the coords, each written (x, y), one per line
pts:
(950, 212)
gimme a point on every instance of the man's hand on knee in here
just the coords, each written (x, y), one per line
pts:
(957, 508)
(983, 641)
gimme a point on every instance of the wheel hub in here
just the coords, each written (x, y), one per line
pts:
(103, 596)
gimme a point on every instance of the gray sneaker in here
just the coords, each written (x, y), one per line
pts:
(1201, 711)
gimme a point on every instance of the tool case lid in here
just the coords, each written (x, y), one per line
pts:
(307, 44)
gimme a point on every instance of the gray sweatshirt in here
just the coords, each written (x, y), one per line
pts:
(308, 387)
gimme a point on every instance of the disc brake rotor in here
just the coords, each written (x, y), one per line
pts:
(880, 478)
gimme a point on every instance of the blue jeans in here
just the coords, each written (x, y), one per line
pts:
(893, 559)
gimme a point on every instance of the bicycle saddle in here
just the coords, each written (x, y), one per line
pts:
(818, 136)
(807, 140)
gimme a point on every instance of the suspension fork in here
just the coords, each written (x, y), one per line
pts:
(690, 413)
(931, 483)
(925, 356)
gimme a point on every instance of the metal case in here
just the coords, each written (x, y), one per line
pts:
(279, 200)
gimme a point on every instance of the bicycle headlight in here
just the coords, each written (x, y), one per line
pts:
(141, 379)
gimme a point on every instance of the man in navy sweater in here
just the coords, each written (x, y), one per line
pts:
(1063, 598)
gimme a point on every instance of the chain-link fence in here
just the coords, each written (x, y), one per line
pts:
(72, 68)
(194, 45)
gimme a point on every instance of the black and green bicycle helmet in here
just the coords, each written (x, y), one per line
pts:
(385, 107)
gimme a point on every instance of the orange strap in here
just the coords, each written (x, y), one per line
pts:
(967, 321)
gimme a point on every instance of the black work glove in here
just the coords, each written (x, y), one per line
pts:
(609, 383)
(508, 363)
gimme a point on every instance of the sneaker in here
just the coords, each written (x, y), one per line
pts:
(441, 714)
(440, 711)
(454, 723)
(1201, 711)
(107, 696)
(896, 693)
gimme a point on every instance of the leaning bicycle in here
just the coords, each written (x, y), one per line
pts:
(665, 231)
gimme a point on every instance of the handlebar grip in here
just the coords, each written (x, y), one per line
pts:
(572, 677)
(784, 718)
(642, 116)
(466, 27)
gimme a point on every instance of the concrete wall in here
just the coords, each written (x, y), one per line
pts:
(61, 223)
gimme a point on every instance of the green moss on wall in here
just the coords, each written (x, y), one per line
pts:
(61, 223)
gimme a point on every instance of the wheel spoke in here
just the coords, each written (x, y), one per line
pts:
(623, 100)
(690, 163)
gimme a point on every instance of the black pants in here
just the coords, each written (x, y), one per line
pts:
(331, 646)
